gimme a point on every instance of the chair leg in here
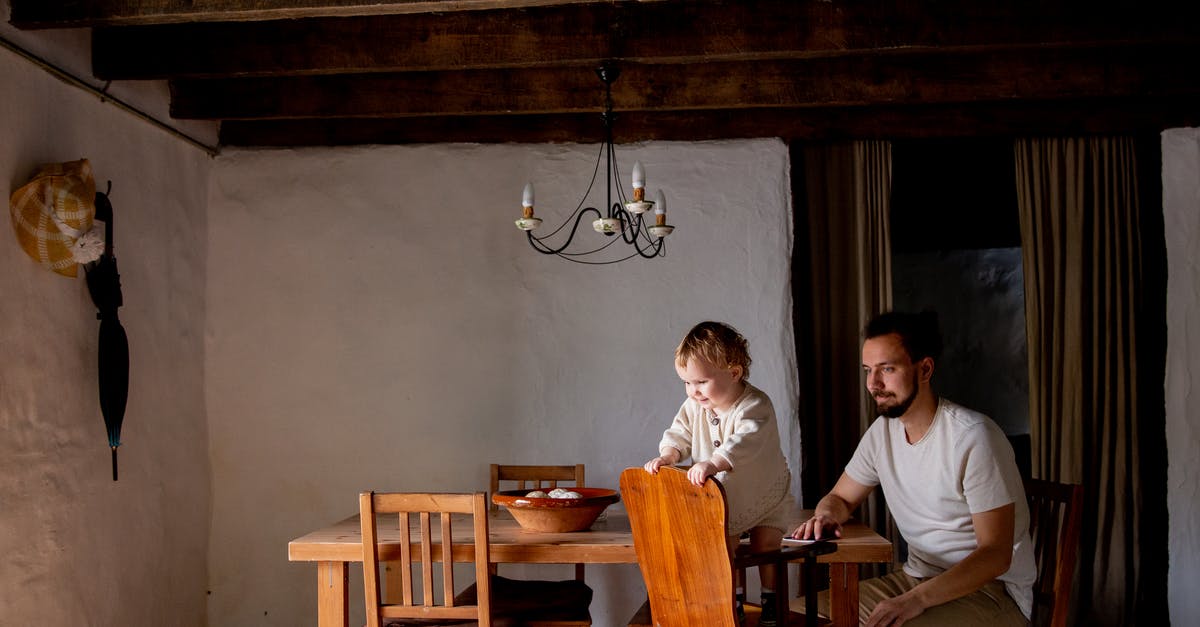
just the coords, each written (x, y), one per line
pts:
(810, 600)
(782, 607)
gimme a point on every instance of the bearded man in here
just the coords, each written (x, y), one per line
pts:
(951, 483)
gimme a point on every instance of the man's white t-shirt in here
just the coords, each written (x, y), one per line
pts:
(963, 465)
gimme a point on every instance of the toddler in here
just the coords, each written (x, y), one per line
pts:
(727, 427)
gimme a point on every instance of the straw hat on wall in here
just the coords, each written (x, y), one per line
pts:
(53, 214)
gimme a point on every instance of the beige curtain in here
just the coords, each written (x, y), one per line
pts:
(1082, 243)
(842, 276)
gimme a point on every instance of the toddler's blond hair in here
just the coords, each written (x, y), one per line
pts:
(717, 343)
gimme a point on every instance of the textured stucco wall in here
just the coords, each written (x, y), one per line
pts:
(78, 548)
(1181, 217)
(377, 322)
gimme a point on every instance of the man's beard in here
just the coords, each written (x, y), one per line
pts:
(897, 410)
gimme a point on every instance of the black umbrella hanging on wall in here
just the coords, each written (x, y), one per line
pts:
(104, 284)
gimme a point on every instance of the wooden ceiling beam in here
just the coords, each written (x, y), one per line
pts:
(896, 16)
(322, 72)
(892, 79)
(1059, 118)
(582, 34)
(36, 14)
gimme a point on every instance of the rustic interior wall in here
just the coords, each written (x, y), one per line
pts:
(80, 549)
(375, 321)
(1181, 216)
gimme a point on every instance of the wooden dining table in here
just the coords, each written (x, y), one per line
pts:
(608, 541)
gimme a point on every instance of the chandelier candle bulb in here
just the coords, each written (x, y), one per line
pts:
(639, 204)
(527, 222)
(639, 182)
(660, 229)
(527, 196)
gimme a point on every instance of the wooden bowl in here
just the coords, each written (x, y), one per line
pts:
(556, 515)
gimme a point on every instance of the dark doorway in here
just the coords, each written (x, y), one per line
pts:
(956, 246)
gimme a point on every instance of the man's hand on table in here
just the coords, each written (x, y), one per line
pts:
(819, 527)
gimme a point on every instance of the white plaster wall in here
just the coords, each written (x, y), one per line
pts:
(1181, 217)
(377, 322)
(78, 548)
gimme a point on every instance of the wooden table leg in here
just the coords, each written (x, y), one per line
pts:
(843, 594)
(332, 594)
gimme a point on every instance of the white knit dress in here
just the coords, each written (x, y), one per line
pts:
(758, 484)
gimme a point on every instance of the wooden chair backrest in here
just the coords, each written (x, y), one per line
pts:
(679, 536)
(397, 508)
(534, 477)
(1055, 518)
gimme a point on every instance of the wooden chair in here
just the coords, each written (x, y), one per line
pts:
(679, 536)
(534, 477)
(1055, 518)
(527, 477)
(532, 603)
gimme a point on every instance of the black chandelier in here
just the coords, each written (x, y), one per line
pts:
(625, 217)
